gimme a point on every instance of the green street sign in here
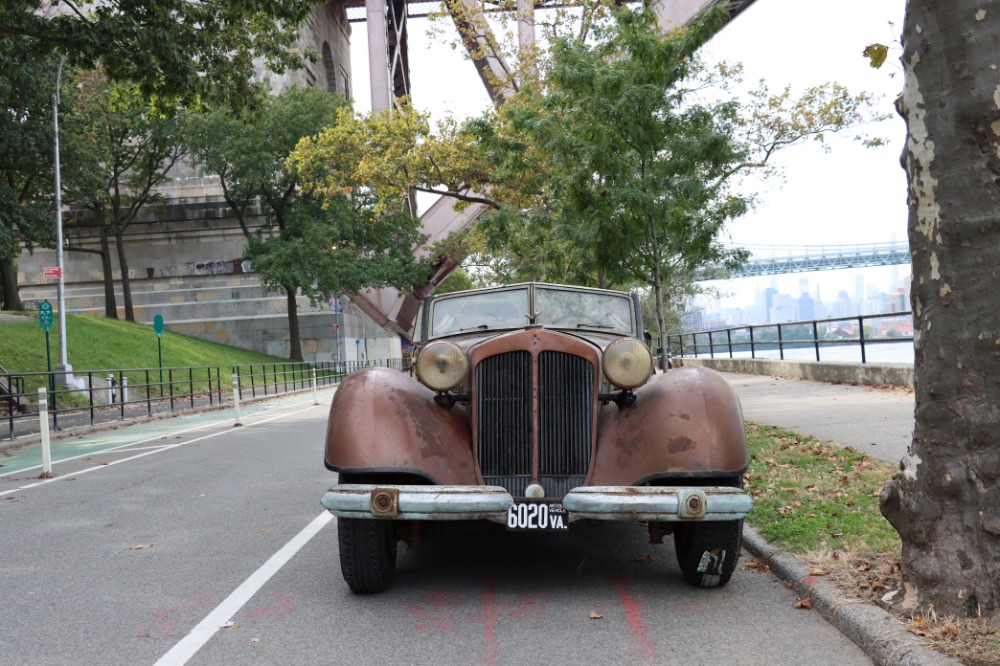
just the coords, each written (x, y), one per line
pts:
(45, 315)
(158, 324)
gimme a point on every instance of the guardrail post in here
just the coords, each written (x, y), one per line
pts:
(816, 339)
(781, 344)
(236, 401)
(861, 337)
(43, 422)
(315, 399)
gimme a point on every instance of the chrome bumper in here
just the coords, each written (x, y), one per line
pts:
(632, 503)
(418, 502)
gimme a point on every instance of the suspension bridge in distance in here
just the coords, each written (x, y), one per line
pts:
(778, 259)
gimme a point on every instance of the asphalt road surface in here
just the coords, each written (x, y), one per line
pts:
(190, 541)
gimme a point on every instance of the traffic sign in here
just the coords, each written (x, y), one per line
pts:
(45, 315)
(52, 272)
(158, 324)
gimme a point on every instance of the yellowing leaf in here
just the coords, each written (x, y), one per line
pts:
(876, 54)
(594, 615)
(804, 603)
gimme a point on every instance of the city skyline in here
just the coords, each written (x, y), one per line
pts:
(868, 291)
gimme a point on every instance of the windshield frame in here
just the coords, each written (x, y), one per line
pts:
(531, 316)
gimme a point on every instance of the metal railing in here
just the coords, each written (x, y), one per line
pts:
(850, 339)
(119, 394)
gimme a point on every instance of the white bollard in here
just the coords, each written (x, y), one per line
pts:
(236, 401)
(111, 389)
(124, 390)
(315, 398)
(43, 422)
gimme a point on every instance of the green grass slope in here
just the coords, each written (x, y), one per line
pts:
(96, 343)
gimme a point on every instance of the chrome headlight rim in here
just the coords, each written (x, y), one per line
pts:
(441, 366)
(627, 363)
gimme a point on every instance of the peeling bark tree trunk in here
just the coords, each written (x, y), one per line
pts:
(945, 502)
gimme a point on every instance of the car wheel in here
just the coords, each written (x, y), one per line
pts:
(707, 551)
(367, 554)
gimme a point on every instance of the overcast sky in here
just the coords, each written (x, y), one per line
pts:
(850, 196)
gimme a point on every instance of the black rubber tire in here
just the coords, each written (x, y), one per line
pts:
(367, 554)
(718, 543)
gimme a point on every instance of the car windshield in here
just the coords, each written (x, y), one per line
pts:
(482, 311)
(561, 308)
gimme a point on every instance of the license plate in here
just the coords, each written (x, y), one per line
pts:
(537, 516)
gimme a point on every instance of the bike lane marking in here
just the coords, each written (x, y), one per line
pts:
(153, 451)
(93, 443)
(222, 614)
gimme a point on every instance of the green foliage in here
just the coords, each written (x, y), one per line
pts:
(811, 496)
(27, 85)
(173, 50)
(303, 244)
(118, 149)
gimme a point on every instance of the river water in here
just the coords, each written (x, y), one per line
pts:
(879, 352)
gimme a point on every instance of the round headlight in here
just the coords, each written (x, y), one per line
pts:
(441, 365)
(627, 363)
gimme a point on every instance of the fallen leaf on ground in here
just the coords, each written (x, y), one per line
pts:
(918, 631)
(230, 625)
(804, 603)
(644, 558)
(594, 615)
(819, 572)
(255, 639)
(140, 546)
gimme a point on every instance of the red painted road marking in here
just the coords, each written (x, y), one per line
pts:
(490, 617)
(633, 613)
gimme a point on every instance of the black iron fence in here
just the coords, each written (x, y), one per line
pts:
(106, 395)
(851, 339)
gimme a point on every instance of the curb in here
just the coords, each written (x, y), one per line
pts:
(880, 635)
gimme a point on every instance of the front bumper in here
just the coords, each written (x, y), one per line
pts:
(629, 503)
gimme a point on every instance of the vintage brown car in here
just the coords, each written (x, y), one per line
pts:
(536, 406)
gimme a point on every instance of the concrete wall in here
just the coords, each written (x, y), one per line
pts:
(867, 374)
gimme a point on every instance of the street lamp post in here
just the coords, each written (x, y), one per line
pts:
(64, 369)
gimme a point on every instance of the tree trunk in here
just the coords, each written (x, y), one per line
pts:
(294, 339)
(126, 283)
(110, 304)
(660, 321)
(945, 501)
(10, 296)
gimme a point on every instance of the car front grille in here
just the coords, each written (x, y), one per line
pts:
(504, 408)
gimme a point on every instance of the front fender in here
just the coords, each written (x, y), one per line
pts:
(685, 422)
(384, 420)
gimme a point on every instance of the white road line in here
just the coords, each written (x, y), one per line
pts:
(182, 652)
(154, 451)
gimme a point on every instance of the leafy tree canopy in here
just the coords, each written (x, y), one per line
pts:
(172, 49)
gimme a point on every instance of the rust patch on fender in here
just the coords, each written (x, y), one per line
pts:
(680, 443)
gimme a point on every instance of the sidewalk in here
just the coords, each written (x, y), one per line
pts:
(874, 421)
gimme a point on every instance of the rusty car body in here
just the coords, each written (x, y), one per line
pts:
(536, 406)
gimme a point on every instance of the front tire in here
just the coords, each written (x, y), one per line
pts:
(707, 552)
(367, 554)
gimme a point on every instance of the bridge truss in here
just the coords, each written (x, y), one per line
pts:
(776, 260)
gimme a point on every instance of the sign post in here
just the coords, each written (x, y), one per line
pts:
(158, 329)
(45, 321)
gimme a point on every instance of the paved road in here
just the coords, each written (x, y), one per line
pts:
(874, 421)
(141, 554)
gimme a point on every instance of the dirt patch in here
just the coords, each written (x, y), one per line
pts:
(870, 577)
